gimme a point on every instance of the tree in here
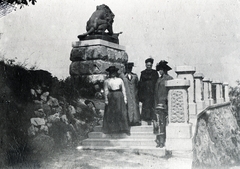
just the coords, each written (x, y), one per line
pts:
(8, 6)
(235, 98)
(19, 2)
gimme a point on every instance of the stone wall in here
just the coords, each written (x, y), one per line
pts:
(217, 139)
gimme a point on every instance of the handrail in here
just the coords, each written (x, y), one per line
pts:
(214, 106)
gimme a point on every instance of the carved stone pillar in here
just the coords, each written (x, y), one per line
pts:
(226, 92)
(210, 93)
(186, 72)
(207, 87)
(199, 91)
(179, 130)
(218, 85)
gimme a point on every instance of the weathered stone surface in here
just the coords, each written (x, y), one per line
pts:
(94, 78)
(98, 52)
(217, 139)
(91, 67)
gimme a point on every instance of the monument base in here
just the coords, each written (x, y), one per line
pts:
(111, 38)
(95, 42)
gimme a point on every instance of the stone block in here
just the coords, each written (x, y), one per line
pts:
(179, 144)
(94, 78)
(98, 52)
(91, 67)
(179, 130)
(98, 42)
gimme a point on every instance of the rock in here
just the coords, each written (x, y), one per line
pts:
(32, 131)
(91, 67)
(37, 121)
(54, 118)
(53, 102)
(46, 109)
(71, 109)
(42, 144)
(39, 113)
(98, 53)
(44, 96)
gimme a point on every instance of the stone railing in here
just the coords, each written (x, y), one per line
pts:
(189, 94)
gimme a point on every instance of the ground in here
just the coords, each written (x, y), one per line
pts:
(96, 159)
(89, 159)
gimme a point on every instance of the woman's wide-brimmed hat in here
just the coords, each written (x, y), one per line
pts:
(112, 69)
(162, 65)
(149, 60)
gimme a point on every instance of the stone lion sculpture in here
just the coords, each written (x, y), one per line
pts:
(100, 21)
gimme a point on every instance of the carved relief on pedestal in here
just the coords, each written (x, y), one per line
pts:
(177, 108)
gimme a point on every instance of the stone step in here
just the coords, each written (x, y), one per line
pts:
(126, 142)
(152, 150)
(133, 129)
(146, 135)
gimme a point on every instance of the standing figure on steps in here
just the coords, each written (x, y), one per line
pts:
(115, 115)
(131, 84)
(161, 103)
(147, 83)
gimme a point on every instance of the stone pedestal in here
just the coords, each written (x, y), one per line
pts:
(179, 130)
(186, 72)
(90, 59)
(226, 92)
(219, 98)
(199, 91)
(207, 92)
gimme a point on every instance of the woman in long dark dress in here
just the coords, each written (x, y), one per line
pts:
(115, 115)
(146, 91)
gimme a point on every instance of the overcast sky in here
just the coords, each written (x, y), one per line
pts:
(200, 33)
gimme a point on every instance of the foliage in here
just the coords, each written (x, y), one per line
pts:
(20, 2)
(235, 98)
(64, 89)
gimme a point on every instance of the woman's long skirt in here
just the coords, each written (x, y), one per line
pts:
(115, 118)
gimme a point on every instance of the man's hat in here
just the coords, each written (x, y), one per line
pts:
(112, 69)
(129, 64)
(162, 65)
(149, 60)
(89, 101)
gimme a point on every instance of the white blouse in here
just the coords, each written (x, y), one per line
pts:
(114, 84)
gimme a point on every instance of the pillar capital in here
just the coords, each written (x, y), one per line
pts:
(177, 83)
(198, 75)
(206, 79)
(185, 69)
(216, 82)
(225, 84)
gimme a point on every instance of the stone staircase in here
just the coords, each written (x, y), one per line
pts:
(141, 140)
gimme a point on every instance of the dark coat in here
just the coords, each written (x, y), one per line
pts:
(147, 83)
(161, 92)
